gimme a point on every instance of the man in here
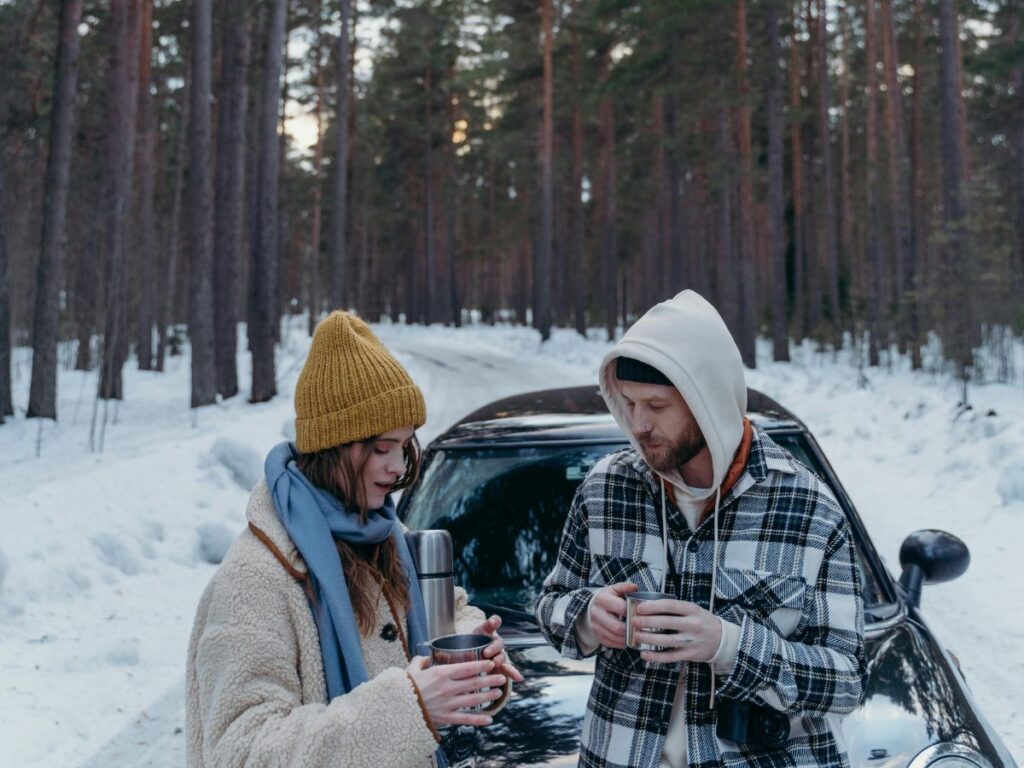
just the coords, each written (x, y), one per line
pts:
(763, 645)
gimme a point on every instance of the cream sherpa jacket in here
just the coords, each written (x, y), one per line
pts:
(256, 694)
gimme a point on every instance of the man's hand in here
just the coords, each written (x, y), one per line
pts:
(608, 614)
(692, 633)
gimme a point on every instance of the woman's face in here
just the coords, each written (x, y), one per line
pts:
(385, 465)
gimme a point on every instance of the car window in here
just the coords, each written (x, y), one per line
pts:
(505, 509)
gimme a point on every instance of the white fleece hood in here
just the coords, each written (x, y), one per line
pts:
(686, 339)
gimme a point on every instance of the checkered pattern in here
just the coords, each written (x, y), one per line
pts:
(787, 576)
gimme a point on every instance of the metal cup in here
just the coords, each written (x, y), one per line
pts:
(633, 599)
(455, 649)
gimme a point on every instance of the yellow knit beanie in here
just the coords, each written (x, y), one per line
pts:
(351, 388)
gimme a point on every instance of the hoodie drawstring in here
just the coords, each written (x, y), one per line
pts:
(714, 566)
(664, 536)
(714, 579)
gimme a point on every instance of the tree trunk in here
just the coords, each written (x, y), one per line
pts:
(454, 308)
(43, 390)
(338, 234)
(1017, 79)
(727, 294)
(776, 210)
(264, 246)
(230, 194)
(849, 257)
(261, 23)
(828, 204)
(577, 248)
(522, 268)
(655, 285)
(959, 294)
(85, 298)
(873, 257)
(279, 273)
(747, 336)
(918, 215)
(123, 24)
(542, 265)
(146, 245)
(200, 327)
(608, 216)
(6, 402)
(812, 245)
(681, 274)
(492, 260)
(448, 312)
(313, 268)
(166, 317)
(899, 181)
(430, 294)
(799, 304)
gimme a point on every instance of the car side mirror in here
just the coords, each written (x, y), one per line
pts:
(931, 557)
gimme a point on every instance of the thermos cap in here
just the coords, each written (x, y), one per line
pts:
(432, 551)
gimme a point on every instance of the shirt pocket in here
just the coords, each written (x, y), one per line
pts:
(774, 599)
(607, 570)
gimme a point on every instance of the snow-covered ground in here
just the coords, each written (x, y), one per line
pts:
(103, 554)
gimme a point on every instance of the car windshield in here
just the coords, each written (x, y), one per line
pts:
(505, 509)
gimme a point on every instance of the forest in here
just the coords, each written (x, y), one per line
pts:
(183, 174)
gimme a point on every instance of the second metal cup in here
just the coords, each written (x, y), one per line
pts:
(633, 599)
(454, 649)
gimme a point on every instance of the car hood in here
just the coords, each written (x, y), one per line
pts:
(913, 698)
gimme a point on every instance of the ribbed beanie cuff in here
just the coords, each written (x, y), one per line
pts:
(389, 410)
(630, 369)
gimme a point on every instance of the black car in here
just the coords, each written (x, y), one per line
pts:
(501, 481)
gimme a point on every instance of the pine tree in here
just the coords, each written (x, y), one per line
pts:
(6, 403)
(230, 193)
(776, 212)
(265, 242)
(43, 391)
(204, 372)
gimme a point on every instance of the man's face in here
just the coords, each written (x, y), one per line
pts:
(662, 425)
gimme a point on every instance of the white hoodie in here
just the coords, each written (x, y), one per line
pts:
(686, 339)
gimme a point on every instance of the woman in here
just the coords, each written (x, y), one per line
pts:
(300, 653)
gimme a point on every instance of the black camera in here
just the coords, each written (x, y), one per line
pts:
(752, 725)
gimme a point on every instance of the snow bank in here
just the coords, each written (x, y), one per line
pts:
(1011, 482)
(114, 552)
(214, 541)
(242, 461)
(7, 607)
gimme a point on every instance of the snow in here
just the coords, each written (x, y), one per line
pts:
(104, 553)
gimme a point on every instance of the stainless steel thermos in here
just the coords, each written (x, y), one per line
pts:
(432, 551)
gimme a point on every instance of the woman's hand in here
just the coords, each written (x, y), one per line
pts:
(496, 650)
(448, 688)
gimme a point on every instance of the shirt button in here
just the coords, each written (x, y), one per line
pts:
(693, 546)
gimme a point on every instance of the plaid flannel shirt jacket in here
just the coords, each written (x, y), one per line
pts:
(787, 576)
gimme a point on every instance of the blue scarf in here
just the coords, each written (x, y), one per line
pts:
(314, 518)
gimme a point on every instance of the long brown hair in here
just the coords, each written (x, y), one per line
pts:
(338, 470)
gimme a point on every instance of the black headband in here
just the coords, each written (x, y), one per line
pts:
(628, 369)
